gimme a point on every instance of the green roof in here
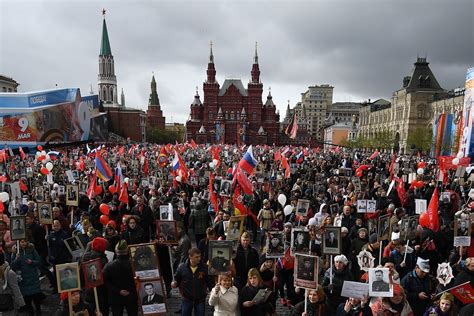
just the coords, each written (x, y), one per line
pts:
(105, 44)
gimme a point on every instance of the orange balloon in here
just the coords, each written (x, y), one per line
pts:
(112, 189)
(424, 220)
(98, 190)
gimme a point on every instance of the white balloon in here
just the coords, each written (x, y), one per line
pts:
(420, 171)
(287, 210)
(279, 177)
(47, 158)
(215, 162)
(178, 178)
(456, 161)
(43, 153)
(4, 197)
(49, 166)
(460, 155)
(126, 180)
(211, 165)
(282, 199)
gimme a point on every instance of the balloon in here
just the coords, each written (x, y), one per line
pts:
(282, 199)
(104, 209)
(2, 207)
(211, 165)
(104, 219)
(4, 197)
(44, 171)
(47, 158)
(363, 167)
(40, 148)
(215, 162)
(418, 184)
(456, 161)
(287, 210)
(98, 190)
(41, 158)
(126, 180)
(424, 220)
(420, 171)
(359, 173)
(112, 189)
(421, 164)
(471, 205)
(460, 155)
(178, 178)
(49, 166)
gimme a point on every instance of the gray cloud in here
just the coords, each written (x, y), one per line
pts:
(362, 48)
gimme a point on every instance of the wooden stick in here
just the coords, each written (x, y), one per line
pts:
(380, 251)
(171, 262)
(405, 254)
(330, 269)
(69, 299)
(96, 297)
(305, 300)
(459, 285)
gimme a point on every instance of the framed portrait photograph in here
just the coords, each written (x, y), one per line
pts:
(144, 260)
(306, 271)
(205, 195)
(83, 188)
(275, 244)
(17, 227)
(226, 188)
(152, 296)
(365, 260)
(39, 194)
(412, 226)
(236, 227)
(67, 276)
(75, 247)
(167, 232)
(462, 227)
(384, 227)
(216, 185)
(45, 212)
(144, 183)
(302, 207)
(72, 195)
(371, 206)
(299, 241)
(332, 240)
(220, 255)
(61, 190)
(334, 209)
(379, 282)
(92, 271)
(166, 213)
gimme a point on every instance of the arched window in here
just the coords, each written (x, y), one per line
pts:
(232, 117)
(254, 115)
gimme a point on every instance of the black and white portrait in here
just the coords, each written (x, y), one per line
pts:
(334, 209)
(216, 185)
(165, 212)
(384, 227)
(39, 194)
(92, 271)
(379, 282)
(365, 260)
(332, 240)
(302, 207)
(75, 247)
(226, 188)
(166, 232)
(412, 226)
(236, 227)
(45, 212)
(17, 227)
(220, 252)
(72, 196)
(306, 271)
(152, 296)
(299, 241)
(144, 260)
(462, 227)
(275, 244)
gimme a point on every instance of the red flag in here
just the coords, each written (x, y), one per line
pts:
(215, 151)
(163, 157)
(286, 166)
(23, 186)
(402, 195)
(432, 211)
(390, 169)
(193, 144)
(121, 151)
(145, 167)
(244, 181)
(277, 155)
(123, 197)
(238, 201)
(22, 153)
(92, 185)
(213, 196)
(3, 178)
(292, 128)
(374, 155)
(464, 293)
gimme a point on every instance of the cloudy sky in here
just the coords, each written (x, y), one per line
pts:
(362, 48)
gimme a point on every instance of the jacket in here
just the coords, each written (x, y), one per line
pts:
(333, 292)
(9, 285)
(317, 309)
(36, 234)
(193, 286)
(30, 283)
(413, 286)
(199, 220)
(118, 275)
(382, 307)
(242, 266)
(225, 302)
(134, 236)
(366, 311)
(57, 250)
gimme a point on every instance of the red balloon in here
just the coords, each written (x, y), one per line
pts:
(421, 164)
(104, 209)
(40, 148)
(44, 171)
(364, 167)
(471, 205)
(424, 220)
(98, 190)
(359, 173)
(41, 158)
(2, 207)
(104, 219)
(112, 189)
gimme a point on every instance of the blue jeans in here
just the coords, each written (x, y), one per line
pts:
(187, 308)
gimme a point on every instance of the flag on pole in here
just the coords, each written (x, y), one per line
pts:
(244, 182)
(248, 162)
(179, 167)
(286, 166)
(402, 195)
(92, 184)
(292, 128)
(374, 155)
(464, 293)
(213, 196)
(102, 169)
(22, 153)
(432, 211)
(123, 197)
(238, 201)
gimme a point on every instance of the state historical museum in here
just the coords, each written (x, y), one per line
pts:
(231, 114)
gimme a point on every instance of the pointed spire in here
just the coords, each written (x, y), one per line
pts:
(255, 58)
(153, 99)
(219, 116)
(105, 44)
(122, 98)
(243, 114)
(269, 102)
(197, 100)
(211, 55)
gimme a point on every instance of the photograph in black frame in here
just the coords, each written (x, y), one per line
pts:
(220, 255)
(332, 240)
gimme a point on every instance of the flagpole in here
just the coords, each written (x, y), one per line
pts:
(456, 286)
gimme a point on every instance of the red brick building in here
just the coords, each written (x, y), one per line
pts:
(232, 114)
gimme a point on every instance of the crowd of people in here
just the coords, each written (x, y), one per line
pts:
(180, 183)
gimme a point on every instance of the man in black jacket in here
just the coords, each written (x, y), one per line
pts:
(193, 281)
(118, 276)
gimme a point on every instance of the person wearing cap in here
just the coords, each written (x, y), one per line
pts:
(118, 275)
(111, 235)
(266, 217)
(392, 306)
(419, 286)
(333, 290)
(443, 307)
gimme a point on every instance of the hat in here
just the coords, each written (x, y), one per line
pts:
(373, 238)
(288, 224)
(341, 258)
(312, 221)
(99, 244)
(344, 229)
(121, 248)
(423, 264)
(362, 229)
(112, 224)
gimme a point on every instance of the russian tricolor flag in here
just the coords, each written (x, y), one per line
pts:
(248, 161)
